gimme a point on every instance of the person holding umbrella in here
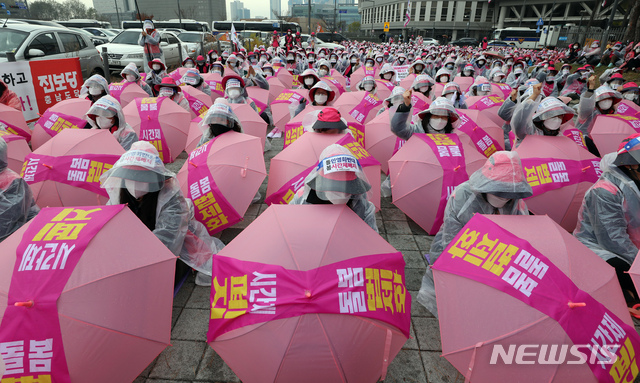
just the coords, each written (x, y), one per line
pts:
(609, 218)
(321, 94)
(453, 92)
(540, 117)
(140, 180)
(157, 74)
(94, 88)
(17, 205)
(339, 180)
(499, 187)
(593, 103)
(150, 40)
(106, 113)
(130, 74)
(192, 78)
(169, 88)
(439, 118)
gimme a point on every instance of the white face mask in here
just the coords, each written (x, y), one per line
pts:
(368, 87)
(444, 78)
(387, 76)
(553, 123)
(615, 85)
(438, 123)
(630, 96)
(424, 89)
(481, 93)
(551, 78)
(136, 188)
(509, 62)
(289, 57)
(467, 73)
(234, 93)
(156, 66)
(337, 198)
(497, 78)
(268, 73)
(320, 99)
(130, 78)
(322, 72)
(95, 90)
(263, 59)
(309, 80)
(333, 61)
(189, 65)
(565, 71)
(217, 70)
(165, 92)
(353, 61)
(104, 122)
(605, 104)
(496, 202)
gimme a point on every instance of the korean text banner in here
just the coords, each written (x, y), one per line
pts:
(487, 253)
(41, 84)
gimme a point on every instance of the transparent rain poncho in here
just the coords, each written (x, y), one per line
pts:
(193, 78)
(108, 106)
(403, 126)
(501, 176)
(530, 114)
(132, 69)
(17, 206)
(95, 82)
(453, 92)
(219, 119)
(587, 108)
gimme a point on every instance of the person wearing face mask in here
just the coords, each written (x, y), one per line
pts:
(480, 87)
(592, 54)
(439, 118)
(496, 76)
(630, 92)
(368, 84)
(193, 79)
(443, 76)
(308, 79)
(632, 59)
(613, 56)
(450, 65)
(107, 114)
(353, 65)
(169, 88)
(17, 205)
(576, 83)
(324, 68)
(189, 63)
(9, 97)
(338, 180)
(547, 78)
(468, 71)
(157, 73)
(95, 87)
(201, 64)
(130, 74)
(150, 40)
(213, 56)
(232, 64)
(224, 57)
(267, 70)
(615, 81)
(453, 92)
(394, 99)
(217, 68)
(424, 84)
(573, 54)
(535, 117)
(401, 60)
(518, 76)
(499, 187)
(387, 73)
(321, 94)
(480, 67)
(140, 180)
(379, 60)
(593, 103)
(417, 67)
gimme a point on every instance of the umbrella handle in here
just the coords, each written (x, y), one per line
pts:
(577, 304)
(585, 168)
(47, 166)
(27, 304)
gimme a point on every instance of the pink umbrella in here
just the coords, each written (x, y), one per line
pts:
(234, 167)
(259, 96)
(464, 82)
(501, 90)
(275, 88)
(305, 120)
(110, 303)
(160, 121)
(383, 89)
(17, 150)
(67, 114)
(503, 319)
(627, 108)
(560, 172)
(194, 135)
(437, 89)
(359, 74)
(283, 104)
(609, 130)
(488, 106)
(289, 167)
(125, 92)
(407, 81)
(66, 170)
(338, 76)
(380, 141)
(359, 104)
(199, 102)
(285, 77)
(252, 123)
(178, 73)
(215, 84)
(301, 343)
(419, 183)
(13, 122)
(485, 135)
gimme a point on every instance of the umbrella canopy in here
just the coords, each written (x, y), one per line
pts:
(194, 135)
(301, 343)
(160, 121)
(13, 122)
(66, 170)
(108, 309)
(125, 92)
(338, 76)
(501, 90)
(285, 77)
(419, 184)
(628, 108)
(383, 89)
(281, 107)
(407, 81)
(464, 82)
(259, 96)
(493, 54)
(380, 141)
(17, 150)
(437, 89)
(275, 88)
(359, 104)
(609, 130)
(234, 167)
(67, 114)
(252, 123)
(555, 265)
(289, 167)
(215, 84)
(359, 74)
(178, 73)
(199, 102)
(488, 106)
(486, 136)
(560, 172)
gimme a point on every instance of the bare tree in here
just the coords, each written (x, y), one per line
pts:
(186, 12)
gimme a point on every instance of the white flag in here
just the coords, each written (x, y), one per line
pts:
(234, 36)
(408, 13)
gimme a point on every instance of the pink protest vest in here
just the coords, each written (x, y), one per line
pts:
(371, 286)
(545, 174)
(518, 269)
(483, 142)
(150, 128)
(386, 83)
(198, 107)
(53, 123)
(30, 335)
(448, 149)
(547, 88)
(366, 105)
(82, 171)
(211, 208)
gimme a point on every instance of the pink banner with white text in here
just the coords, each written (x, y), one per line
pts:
(150, 128)
(53, 122)
(545, 174)
(483, 142)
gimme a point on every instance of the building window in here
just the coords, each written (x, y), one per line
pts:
(423, 11)
(443, 12)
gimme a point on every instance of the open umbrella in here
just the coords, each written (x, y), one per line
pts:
(360, 73)
(66, 170)
(383, 89)
(609, 130)
(501, 90)
(259, 96)
(486, 136)
(100, 294)
(437, 89)
(13, 122)
(17, 150)
(464, 82)
(289, 167)
(531, 286)
(559, 172)
(488, 106)
(285, 77)
(627, 108)
(160, 121)
(359, 104)
(425, 171)
(305, 120)
(334, 84)
(275, 88)
(125, 92)
(215, 84)
(178, 73)
(494, 54)
(380, 141)
(67, 114)
(231, 168)
(407, 81)
(199, 102)
(341, 309)
(282, 106)
(252, 123)
(194, 135)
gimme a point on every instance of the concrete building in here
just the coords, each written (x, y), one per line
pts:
(238, 11)
(200, 10)
(342, 13)
(275, 9)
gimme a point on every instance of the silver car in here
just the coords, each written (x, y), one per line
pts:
(38, 42)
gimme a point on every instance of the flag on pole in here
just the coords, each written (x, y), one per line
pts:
(604, 3)
(408, 14)
(234, 36)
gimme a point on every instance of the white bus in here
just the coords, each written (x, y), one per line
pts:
(521, 37)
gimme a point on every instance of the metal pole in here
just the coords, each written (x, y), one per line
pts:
(105, 64)
(550, 21)
(309, 17)
(521, 13)
(118, 13)
(179, 13)
(335, 11)
(605, 36)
